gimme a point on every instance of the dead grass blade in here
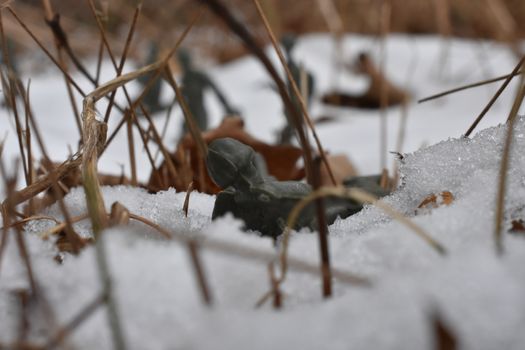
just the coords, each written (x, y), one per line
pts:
(468, 86)
(359, 196)
(495, 97)
(221, 11)
(505, 159)
(296, 91)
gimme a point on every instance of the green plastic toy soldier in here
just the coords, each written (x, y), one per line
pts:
(261, 202)
(151, 99)
(288, 42)
(194, 85)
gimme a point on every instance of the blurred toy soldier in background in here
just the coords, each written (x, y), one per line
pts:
(288, 42)
(194, 84)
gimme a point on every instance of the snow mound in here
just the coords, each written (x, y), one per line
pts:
(478, 294)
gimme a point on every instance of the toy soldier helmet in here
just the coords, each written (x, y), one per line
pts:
(228, 160)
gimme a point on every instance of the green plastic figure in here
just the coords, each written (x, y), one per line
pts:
(288, 42)
(194, 84)
(261, 202)
(151, 99)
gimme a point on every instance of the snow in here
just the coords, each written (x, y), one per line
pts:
(477, 293)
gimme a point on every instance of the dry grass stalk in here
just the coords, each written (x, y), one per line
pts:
(221, 11)
(469, 86)
(124, 54)
(46, 181)
(62, 42)
(94, 135)
(62, 333)
(297, 93)
(46, 51)
(131, 148)
(385, 18)
(196, 262)
(274, 284)
(186, 205)
(495, 97)
(11, 79)
(7, 213)
(202, 147)
(359, 196)
(326, 272)
(505, 159)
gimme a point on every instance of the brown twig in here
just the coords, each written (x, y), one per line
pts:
(295, 89)
(469, 86)
(84, 314)
(495, 97)
(12, 88)
(217, 7)
(356, 195)
(124, 54)
(385, 18)
(275, 290)
(322, 234)
(46, 51)
(186, 205)
(196, 262)
(7, 211)
(505, 158)
(131, 148)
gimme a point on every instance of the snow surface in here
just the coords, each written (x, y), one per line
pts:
(478, 294)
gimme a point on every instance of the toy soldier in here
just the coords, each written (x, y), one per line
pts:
(194, 84)
(261, 202)
(288, 42)
(151, 99)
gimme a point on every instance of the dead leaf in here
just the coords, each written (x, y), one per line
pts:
(518, 227)
(434, 201)
(370, 99)
(64, 245)
(342, 168)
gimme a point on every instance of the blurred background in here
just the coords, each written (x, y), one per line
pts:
(161, 21)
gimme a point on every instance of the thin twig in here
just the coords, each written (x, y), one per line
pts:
(12, 84)
(217, 7)
(385, 17)
(468, 86)
(186, 205)
(359, 196)
(322, 234)
(505, 159)
(495, 97)
(196, 262)
(295, 89)
(84, 314)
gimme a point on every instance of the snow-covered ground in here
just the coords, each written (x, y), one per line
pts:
(478, 294)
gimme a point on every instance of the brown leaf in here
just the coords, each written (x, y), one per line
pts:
(518, 227)
(434, 201)
(341, 166)
(64, 245)
(370, 99)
